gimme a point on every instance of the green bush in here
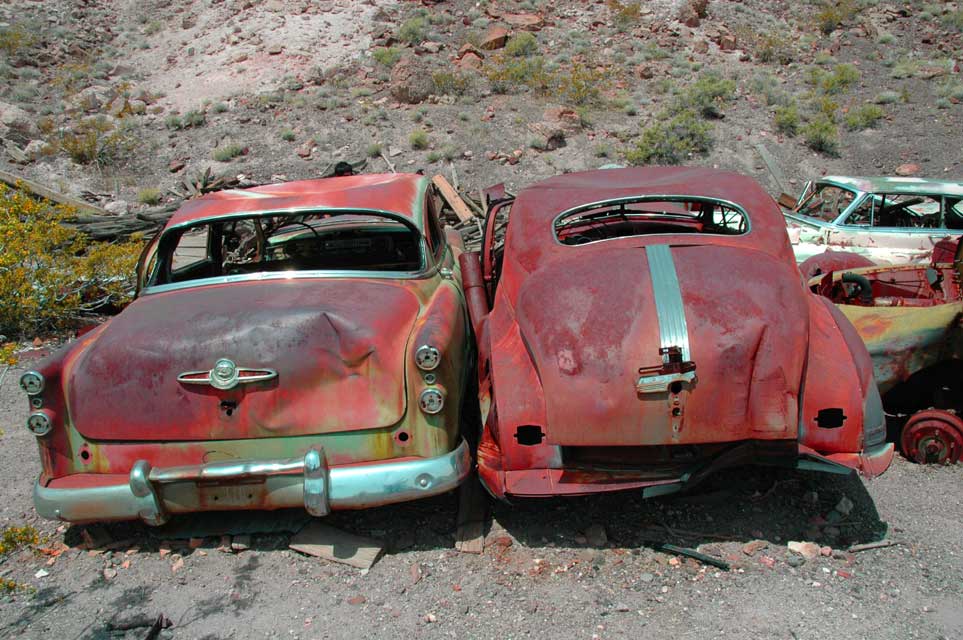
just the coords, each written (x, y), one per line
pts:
(288, 135)
(787, 119)
(449, 83)
(672, 141)
(706, 95)
(834, 13)
(625, 14)
(835, 81)
(522, 45)
(580, 85)
(821, 135)
(228, 152)
(418, 139)
(97, 141)
(373, 150)
(511, 75)
(149, 196)
(413, 30)
(886, 97)
(51, 275)
(863, 117)
(387, 56)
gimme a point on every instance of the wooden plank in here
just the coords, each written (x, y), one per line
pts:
(324, 541)
(472, 516)
(37, 189)
(453, 199)
(772, 165)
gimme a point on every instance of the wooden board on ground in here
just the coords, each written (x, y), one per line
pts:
(37, 189)
(453, 199)
(472, 516)
(326, 542)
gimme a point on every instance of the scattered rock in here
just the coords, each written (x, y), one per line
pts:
(432, 47)
(908, 169)
(118, 207)
(411, 81)
(845, 506)
(469, 60)
(751, 547)
(595, 535)
(306, 149)
(530, 21)
(275, 49)
(768, 561)
(795, 560)
(110, 573)
(808, 550)
(241, 543)
(825, 552)
(494, 38)
(178, 563)
(357, 600)
(42, 573)
(700, 46)
(645, 71)
(548, 137)
(15, 123)
(177, 164)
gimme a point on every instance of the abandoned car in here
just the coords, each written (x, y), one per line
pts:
(300, 344)
(888, 220)
(909, 318)
(644, 327)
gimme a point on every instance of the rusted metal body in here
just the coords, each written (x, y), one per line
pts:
(889, 220)
(910, 318)
(265, 385)
(652, 358)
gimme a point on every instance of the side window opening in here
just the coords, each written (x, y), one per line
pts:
(908, 211)
(826, 202)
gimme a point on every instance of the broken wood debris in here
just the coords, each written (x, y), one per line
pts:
(453, 199)
(691, 553)
(38, 190)
(472, 516)
(324, 541)
(882, 544)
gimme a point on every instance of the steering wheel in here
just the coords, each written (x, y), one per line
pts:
(303, 224)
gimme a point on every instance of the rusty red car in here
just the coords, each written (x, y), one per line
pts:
(299, 344)
(645, 327)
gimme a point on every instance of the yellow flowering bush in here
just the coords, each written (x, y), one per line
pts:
(51, 274)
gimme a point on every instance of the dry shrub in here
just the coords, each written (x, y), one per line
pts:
(52, 275)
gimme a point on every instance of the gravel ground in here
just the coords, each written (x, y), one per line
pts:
(573, 568)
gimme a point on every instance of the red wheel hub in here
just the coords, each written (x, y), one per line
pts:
(933, 436)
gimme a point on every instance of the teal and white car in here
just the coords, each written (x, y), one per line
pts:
(888, 220)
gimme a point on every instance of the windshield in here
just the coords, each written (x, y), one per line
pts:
(288, 242)
(645, 215)
(826, 202)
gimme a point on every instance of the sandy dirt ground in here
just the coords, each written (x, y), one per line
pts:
(572, 568)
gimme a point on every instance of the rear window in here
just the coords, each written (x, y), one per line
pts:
(321, 241)
(640, 216)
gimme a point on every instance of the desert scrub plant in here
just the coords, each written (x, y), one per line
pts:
(625, 15)
(96, 141)
(14, 38)
(834, 13)
(373, 150)
(288, 135)
(521, 45)
(418, 139)
(387, 56)
(886, 97)
(836, 81)
(580, 85)
(434, 156)
(219, 107)
(787, 119)
(821, 135)
(413, 30)
(863, 117)
(51, 275)
(451, 83)
(672, 141)
(509, 75)
(14, 538)
(149, 196)
(705, 96)
(194, 118)
(228, 152)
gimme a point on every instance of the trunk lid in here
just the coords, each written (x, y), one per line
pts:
(338, 347)
(591, 322)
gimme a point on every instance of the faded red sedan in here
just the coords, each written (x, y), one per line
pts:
(301, 344)
(644, 327)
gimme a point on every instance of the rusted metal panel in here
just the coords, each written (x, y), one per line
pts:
(572, 327)
(340, 385)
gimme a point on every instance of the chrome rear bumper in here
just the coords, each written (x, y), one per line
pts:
(152, 494)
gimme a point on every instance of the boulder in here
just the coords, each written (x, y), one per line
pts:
(411, 80)
(16, 124)
(494, 38)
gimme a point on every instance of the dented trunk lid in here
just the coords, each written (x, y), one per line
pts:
(594, 324)
(337, 345)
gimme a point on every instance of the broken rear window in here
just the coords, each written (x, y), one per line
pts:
(646, 215)
(349, 241)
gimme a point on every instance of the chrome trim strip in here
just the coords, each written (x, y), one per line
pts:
(291, 275)
(673, 331)
(304, 482)
(260, 375)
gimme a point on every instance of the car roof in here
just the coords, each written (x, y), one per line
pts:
(896, 184)
(398, 193)
(537, 206)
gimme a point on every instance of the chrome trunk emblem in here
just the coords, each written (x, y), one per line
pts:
(226, 375)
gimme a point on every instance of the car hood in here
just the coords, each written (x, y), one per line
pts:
(338, 347)
(590, 322)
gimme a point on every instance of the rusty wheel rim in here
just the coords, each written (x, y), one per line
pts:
(933, 437)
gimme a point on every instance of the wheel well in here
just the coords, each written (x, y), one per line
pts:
(939, 386)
